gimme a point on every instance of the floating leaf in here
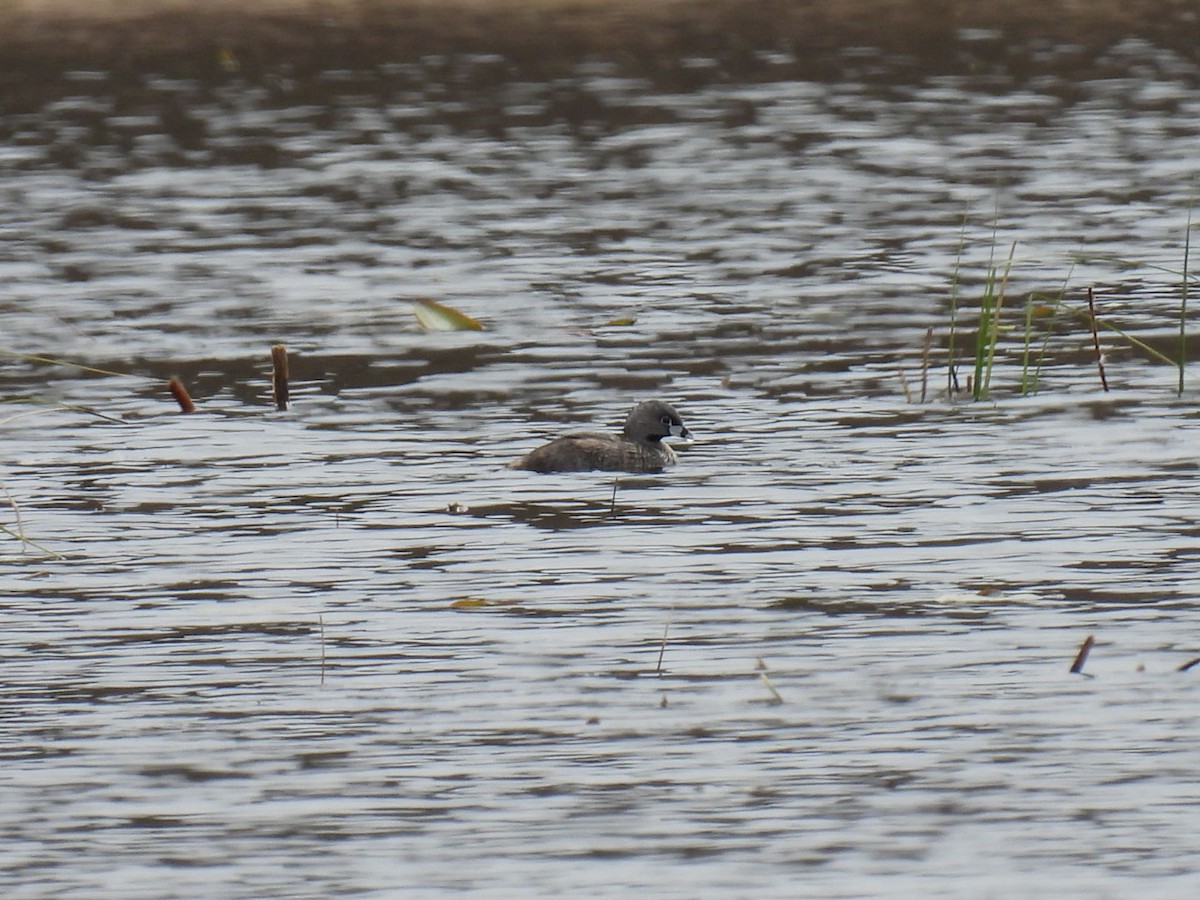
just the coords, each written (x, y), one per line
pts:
(621, 321)
(227, 61)
(435, 316)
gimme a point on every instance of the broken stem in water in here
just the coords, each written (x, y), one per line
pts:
(1096, 340)
(181, 395)
(662, 647)
(1081, 657)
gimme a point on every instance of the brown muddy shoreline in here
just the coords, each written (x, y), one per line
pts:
(544, 36)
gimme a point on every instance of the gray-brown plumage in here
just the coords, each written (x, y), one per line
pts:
(638, 448)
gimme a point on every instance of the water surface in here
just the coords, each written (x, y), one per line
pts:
(341, 650)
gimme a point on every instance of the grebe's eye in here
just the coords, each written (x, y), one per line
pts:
(666, 420)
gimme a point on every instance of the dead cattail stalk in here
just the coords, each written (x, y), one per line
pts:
(179, 392)
(1096, 340)
(1081, 657)
(279, 375)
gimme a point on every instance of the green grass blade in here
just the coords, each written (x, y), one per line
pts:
(49, 360)
(32, 543)
(952, 348)
(1108, 326)
(1026, 351)
(997, 306)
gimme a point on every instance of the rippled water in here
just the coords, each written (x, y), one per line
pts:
(342, 651)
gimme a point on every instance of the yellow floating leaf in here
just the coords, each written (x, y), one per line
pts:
(435, 316)
(622, 321)
(1043, 311)
(227, 61)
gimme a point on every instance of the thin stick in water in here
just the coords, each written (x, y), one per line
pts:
(776, 697)
(279, 377)
(180, 393)
(1183, 302)
(662, 648)
(612, 505)
(952, 386)
(761, 666)
(1096, 340)
(20, 532)
(925, 363)
(1081, 657)
(321, 619)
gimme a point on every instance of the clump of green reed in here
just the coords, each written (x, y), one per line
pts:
(988, 330)
(1040, 307)
(987, 337)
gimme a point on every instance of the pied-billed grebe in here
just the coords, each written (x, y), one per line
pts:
(639, 447)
